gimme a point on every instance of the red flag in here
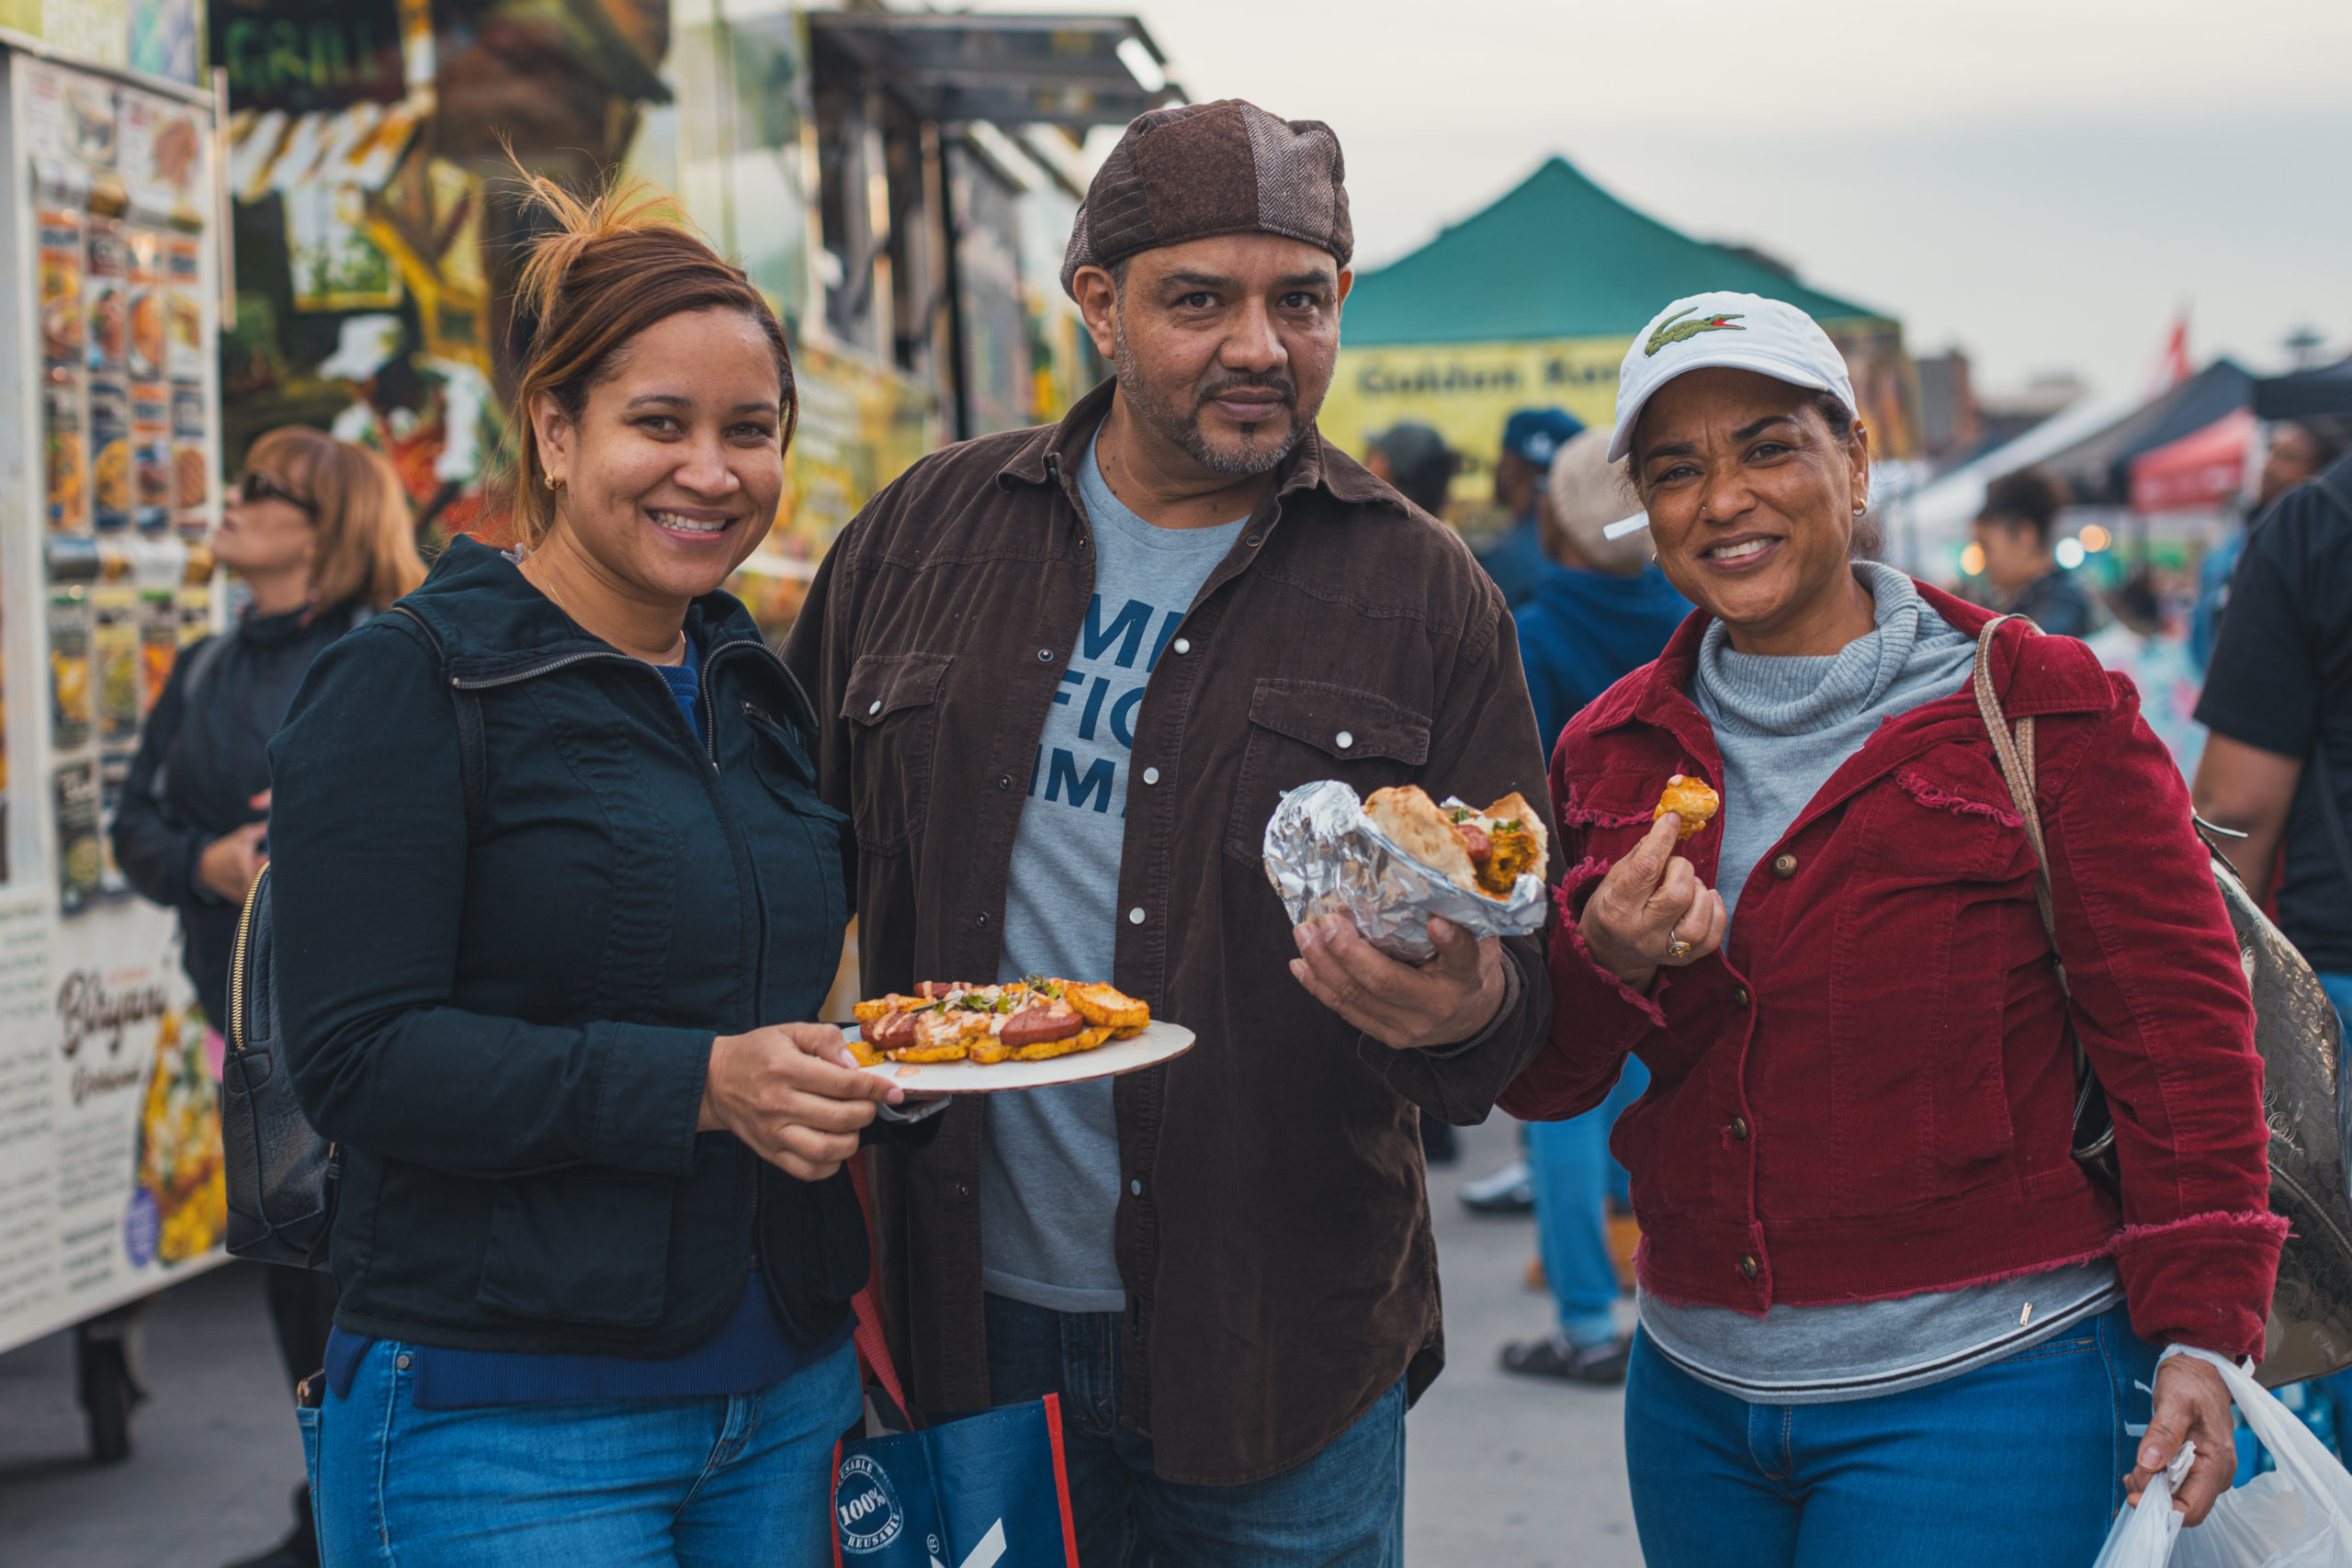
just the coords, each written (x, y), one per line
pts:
(2172, 366)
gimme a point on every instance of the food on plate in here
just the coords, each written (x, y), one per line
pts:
(1690, 799)
(1483, 851)
(1025, 1020)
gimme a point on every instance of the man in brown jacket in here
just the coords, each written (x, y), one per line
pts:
(1064, 675)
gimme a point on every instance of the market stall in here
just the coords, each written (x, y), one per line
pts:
(1533, 301)
(2203, 472)
(110, 1167)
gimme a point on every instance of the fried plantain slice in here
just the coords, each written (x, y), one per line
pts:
(1048, 1049)
(1098, 1002)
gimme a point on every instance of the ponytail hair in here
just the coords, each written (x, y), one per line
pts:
(611, 267)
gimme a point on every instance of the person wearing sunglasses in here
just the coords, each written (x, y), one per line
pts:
(319, 530)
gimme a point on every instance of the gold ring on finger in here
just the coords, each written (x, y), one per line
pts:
(1678, 950)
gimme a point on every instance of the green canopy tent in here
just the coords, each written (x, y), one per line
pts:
(1533, 301)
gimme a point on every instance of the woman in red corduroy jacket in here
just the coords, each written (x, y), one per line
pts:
(1885, 1314)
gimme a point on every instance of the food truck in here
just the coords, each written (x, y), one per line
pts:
(110, 1166)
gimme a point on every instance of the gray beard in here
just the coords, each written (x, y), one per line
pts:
(1183, 428)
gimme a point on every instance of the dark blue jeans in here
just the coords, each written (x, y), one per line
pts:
(2018, 1464)
(1345, 1507)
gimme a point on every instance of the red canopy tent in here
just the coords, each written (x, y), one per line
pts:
(2199, 472)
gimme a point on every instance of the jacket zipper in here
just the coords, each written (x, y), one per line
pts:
(237, 961)
(710, 745)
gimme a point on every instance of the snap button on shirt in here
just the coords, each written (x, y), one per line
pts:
(1345, 740)
(1135, 915)
(1135, 1186)
(876, 706)
(1784, 866)
(1151, 776)
(1182, 645)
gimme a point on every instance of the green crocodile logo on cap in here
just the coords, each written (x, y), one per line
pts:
(1674, 329)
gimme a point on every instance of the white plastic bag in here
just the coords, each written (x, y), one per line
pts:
(2298, 1516)
(2144, 1537)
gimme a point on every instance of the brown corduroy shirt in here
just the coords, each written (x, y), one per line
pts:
(1273, 1228)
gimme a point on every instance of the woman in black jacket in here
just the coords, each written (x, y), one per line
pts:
(319, 530)
(554, 891)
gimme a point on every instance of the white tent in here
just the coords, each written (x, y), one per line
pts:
(1941, 511)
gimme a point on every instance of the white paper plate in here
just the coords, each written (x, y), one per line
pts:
(1159, 1042)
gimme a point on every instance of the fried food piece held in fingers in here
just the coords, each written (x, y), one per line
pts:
(1690, 799)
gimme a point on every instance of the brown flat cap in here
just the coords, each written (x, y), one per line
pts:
(1201, 169)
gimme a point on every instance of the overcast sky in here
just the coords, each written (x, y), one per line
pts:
(2044, 182)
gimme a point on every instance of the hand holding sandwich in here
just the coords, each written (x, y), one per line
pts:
(1649, 912)
(1407, 1006)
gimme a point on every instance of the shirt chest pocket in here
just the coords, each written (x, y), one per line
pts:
(1301, 731)
(891, 704)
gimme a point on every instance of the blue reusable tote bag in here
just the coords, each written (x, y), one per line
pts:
(985, 1491)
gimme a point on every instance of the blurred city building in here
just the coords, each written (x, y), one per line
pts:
(898, 184)
(1950, 420)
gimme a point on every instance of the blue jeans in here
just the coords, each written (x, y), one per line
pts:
(2018, 1464)
(1574, 1177)
(1345, 1507)
(721, 1479)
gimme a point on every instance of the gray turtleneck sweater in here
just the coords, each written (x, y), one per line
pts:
(1784, 725)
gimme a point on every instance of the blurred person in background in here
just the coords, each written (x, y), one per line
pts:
(1415, 459)
(2277, 700)
(1531, 438)
(1517, 561)
(1885, 1317)
(2298, 448)
(2020, 564)
(319, 530)
(1602, 609)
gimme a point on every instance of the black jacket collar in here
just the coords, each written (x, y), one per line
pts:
(490, 621)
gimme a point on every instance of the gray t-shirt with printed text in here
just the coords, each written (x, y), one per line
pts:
(1049, 1175)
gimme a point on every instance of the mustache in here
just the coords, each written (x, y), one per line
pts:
(1283, 386)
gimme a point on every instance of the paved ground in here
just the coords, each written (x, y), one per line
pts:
(1501, 1474)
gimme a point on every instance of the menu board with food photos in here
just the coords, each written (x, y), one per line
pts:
(120, 201)
(110, 1137)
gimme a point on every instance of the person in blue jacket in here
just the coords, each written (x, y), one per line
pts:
(1602, 610)
(1531, 438)
(557, 901)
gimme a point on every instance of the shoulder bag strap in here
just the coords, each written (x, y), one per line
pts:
(470, 769)
(866, 1311)
(2015, 750)
(2093, 1140)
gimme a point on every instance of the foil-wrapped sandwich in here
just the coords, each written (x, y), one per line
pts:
(1399, 859)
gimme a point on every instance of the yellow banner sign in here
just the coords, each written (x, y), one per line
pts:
(1464, 391)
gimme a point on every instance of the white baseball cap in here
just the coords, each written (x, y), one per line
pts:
(1741, 331)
